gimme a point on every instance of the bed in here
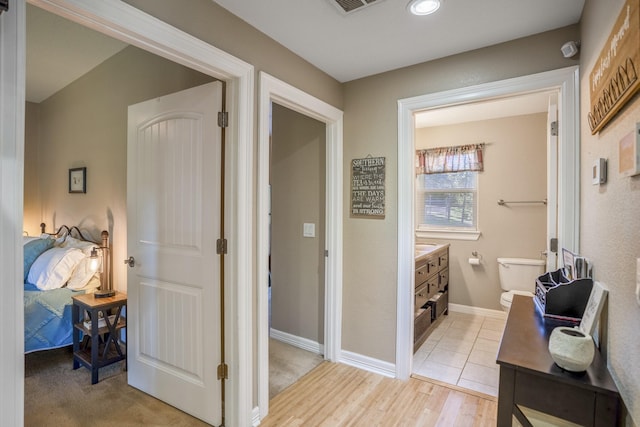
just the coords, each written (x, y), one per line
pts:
(57, 266)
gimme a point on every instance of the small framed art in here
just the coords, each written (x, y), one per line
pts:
(78, 180)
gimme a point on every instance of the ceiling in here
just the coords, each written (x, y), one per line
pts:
(384, 36)
(380, 37)
(59, 51)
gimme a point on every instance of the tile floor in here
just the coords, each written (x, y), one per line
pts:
(461, 350)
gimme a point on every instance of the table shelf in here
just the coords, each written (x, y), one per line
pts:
(98, 345)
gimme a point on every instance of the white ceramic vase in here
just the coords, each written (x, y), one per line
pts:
(571, 349)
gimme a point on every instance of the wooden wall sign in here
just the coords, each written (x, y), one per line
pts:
(367, 187)
(614, 78)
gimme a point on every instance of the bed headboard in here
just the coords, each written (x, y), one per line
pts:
(74, 231)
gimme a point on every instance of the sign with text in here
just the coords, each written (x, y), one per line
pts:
(614, 78)
(367, 187)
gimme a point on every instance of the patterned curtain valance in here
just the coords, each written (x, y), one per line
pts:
(450, 159)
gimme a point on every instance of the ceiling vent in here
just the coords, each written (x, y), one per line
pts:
(348, 6)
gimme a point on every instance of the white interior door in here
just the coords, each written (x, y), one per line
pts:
(173, 214)
(552, 183)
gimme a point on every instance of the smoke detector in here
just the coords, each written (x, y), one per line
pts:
(349, 6)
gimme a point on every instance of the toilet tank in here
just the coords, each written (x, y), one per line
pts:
(519, 274)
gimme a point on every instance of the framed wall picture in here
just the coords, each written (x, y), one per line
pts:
(593, 309)
(78, 180)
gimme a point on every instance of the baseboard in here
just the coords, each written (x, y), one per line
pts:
(368, 363)
(296, 341)
(255, 417)
(467, 309)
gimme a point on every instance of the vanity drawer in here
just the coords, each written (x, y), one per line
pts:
(421, 323)
(439, 304)
(421, 296)
(422, 273)
(433, 284)
(443, 260)
(444, 280)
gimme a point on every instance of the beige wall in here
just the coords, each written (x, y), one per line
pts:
(85, 125)
(210, 22)
(609, 232)
(297, 196)
(32, 203)
(370, 127)
(514, 169)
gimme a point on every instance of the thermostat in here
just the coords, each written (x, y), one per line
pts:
(599, 174)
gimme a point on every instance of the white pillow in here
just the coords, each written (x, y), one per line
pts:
(83, 273)
(54, 267)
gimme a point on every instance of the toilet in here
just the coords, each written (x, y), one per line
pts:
(518, 277)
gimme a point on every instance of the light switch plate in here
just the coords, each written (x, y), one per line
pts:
(308, 230)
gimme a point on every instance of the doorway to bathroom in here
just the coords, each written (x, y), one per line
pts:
(473, 298)
(461, 349)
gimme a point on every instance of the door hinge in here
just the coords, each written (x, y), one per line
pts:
(223, 371)
(326, 253)
(223, 119)
(221, 246)
(554, 128)
(553, 244)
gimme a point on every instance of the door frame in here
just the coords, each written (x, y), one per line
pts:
(126, 23)
(12, 106)
(566, 81)
(275, 90)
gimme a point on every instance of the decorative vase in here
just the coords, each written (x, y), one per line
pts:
(571, 349)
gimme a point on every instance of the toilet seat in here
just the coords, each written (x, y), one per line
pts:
(507, 297)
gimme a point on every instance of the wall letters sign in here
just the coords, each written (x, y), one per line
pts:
(367, 187)
(614, 78)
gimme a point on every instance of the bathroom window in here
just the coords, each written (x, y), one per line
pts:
(447, 200)
(447, 191)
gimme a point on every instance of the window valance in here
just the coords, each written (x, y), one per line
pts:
(450, 159)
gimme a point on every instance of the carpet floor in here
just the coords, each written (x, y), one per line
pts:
(287, 364)
(56, 395)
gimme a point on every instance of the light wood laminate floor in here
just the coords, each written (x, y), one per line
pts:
(336, 395)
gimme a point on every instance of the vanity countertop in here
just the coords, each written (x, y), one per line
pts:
(422, 250)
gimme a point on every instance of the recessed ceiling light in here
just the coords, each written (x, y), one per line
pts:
(424, 7)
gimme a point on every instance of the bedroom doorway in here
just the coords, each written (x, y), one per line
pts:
(135, 27)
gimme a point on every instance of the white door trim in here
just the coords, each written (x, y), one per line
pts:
(566, 81)
(272, 89)
(124, 22)
(12, 102)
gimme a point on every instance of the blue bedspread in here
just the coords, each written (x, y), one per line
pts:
(47, 318)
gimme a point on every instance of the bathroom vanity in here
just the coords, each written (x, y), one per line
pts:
(431, 298)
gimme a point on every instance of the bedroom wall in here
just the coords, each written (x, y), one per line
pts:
(371, 127)
(297, 197)
(85, 125)
(514, 169)
(32, 204)
(609, 213)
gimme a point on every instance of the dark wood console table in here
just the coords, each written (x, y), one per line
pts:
(533, 387)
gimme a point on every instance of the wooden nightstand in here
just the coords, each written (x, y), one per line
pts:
(100, 345)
